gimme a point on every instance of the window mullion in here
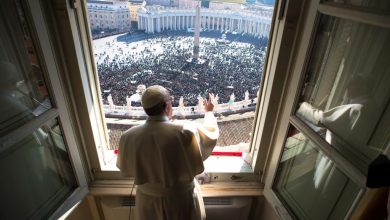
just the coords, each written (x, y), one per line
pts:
(343, 164)
(355, 15)
(20, 133)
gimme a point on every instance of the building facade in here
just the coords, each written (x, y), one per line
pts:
(187, 4)
(225, 6)
(108, 15)
(156, 19)
(169, 3)
(133, 6)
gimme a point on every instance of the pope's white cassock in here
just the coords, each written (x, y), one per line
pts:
(164, 158)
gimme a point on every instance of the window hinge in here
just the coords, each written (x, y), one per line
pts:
(261, 173)
(235, 177)
(95, 170)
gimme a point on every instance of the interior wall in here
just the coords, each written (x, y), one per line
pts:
(86, 210)
(262, 210)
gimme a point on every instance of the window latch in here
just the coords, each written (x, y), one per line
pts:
(235, 177)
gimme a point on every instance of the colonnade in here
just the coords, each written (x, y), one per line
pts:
(182, 19)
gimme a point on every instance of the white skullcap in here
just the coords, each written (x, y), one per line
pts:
(154, 95)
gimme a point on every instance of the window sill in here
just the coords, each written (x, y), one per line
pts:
(220, 189)
(227, 164)
(214, 164)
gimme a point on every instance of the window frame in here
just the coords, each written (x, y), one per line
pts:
(60, 111)
(89, 80)
(296, 73)
(84, 100)
(267, 111)
(63, 111)
(281, 81)
(90, 112)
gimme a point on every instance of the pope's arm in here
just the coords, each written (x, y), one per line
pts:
(208, 132)
(208, 135)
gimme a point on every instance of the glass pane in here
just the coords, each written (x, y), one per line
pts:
(23, 94)
(305, 175)
(36, 175)
(378, 5)
(346, 92)
(138, 44)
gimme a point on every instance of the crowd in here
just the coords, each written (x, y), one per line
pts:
(229, 67)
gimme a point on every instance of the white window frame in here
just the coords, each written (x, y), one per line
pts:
(295, 74)
(288, 48)
(90, 116)
(94, 129)
(92, 121)
(50, 65)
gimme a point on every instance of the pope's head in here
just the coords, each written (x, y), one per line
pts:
(156, 100)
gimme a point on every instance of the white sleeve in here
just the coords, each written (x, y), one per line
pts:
(340, 119)
(307, 112)
(206, 133)
(210, 122)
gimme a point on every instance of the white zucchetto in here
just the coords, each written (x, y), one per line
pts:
(154, 95)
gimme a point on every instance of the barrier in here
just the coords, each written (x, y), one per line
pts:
(115, 110)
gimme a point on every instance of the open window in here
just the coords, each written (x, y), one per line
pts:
(94, 104)
(337, 113)
(42, 175)
(314, 52)
(137, 44)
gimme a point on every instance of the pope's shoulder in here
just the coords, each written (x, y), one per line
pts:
(146, 127)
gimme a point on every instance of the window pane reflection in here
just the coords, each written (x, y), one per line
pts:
(23, 94)
(346, 93)
(305, 175)
(36, 175)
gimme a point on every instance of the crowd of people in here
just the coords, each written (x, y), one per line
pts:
(225, 67)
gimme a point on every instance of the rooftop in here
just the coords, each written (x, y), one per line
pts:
(234, 129)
